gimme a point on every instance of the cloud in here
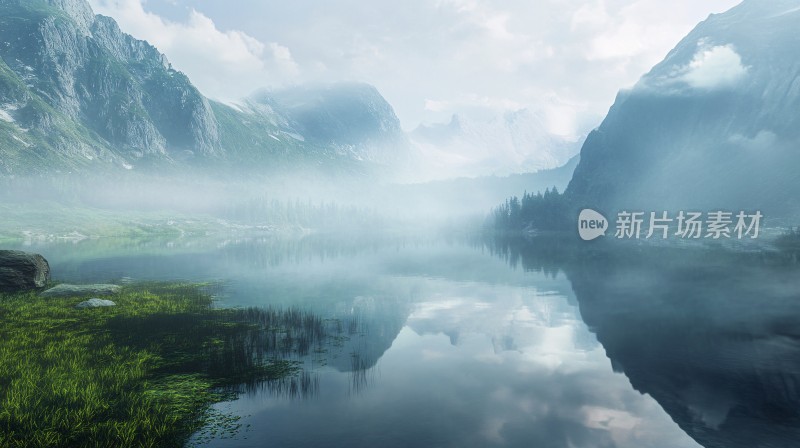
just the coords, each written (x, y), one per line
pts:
(428, 58)
(629, 34)
(492, 105)
(556, 387)
(714, 68)
(224, 65)
(523, 53)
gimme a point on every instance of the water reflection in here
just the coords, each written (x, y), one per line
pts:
(711, 335)
(303, 386)
(538, 376)
(465, 352)
(501, 344)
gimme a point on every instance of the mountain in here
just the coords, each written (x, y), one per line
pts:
(350, 118)
(460, 197)
(713, 126)
(514, 142)
(78, 93)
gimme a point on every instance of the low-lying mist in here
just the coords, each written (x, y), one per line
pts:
(301, 200)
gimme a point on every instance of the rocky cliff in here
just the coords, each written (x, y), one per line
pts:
(77, 93)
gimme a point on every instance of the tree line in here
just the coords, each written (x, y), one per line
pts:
(533, 212)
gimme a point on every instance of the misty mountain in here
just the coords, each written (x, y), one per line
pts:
(465, 196)
(713, 126)
(350, 118)
(76, 92)
(514, 142)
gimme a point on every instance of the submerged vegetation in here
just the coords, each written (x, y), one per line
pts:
(142, 373)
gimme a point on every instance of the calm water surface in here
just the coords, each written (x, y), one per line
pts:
(455, 345)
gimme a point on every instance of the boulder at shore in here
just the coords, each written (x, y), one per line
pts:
(22, 271)
(94, 303)
(65, 290)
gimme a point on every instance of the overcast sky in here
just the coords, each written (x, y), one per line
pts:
(429, 58)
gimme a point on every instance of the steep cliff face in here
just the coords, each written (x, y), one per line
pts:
(714, 125)
(77, 93)
(166, 101)
(75, 85)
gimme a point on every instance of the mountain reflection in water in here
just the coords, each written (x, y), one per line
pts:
(502, 343)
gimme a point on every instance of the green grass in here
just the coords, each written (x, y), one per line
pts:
(141, 374)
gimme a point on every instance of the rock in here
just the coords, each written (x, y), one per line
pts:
(94, 303)
(65, 290)
(22, 271)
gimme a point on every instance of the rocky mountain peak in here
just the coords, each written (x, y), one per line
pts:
(79, 10)
(76, 91)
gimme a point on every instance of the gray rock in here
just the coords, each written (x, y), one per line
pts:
(65, 290)
(94, 303)
(22, 271)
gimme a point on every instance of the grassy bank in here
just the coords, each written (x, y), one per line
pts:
(142, 373)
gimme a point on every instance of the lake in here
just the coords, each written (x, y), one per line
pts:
(447, 343)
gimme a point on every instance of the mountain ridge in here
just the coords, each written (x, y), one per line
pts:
(77, 93)
(712, 126)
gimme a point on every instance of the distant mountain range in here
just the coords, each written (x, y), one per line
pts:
(513, 142)
(714, 126)
(463, 196)
(77, 93)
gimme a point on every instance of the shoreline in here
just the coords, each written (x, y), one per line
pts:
(142, 373)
